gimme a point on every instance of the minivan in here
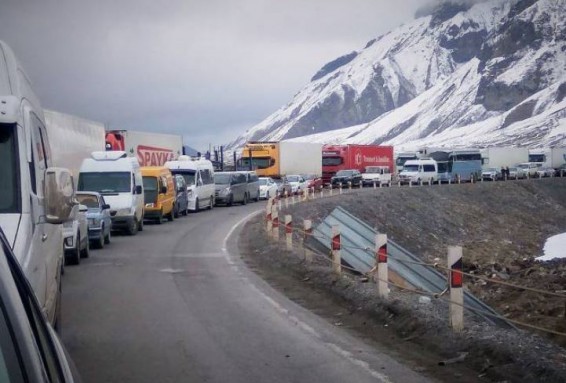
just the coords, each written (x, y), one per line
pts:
(159, 193)
(415, 171)
(253, 185)
(199, 175)
(118, 178)
(231, 187)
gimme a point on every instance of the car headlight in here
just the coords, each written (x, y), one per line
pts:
(150, 205)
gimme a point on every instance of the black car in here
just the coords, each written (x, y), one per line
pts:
(346, 177)
(30, 350)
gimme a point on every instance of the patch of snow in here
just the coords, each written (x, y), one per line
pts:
(554, 247)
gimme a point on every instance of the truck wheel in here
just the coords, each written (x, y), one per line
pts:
(107, 237)
(85, 253)
(133, 227)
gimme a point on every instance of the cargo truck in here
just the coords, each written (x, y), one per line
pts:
(548, 157)
(72, 139)
(342, 157)
(278, 159)
(496, 157)
(151, 149)
(36, 197)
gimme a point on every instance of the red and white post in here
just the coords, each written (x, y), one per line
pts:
(275, 223)
(268, 210)
(307, 232)
(456, 288)
(336, 246)
(382, 271)
(289, 231)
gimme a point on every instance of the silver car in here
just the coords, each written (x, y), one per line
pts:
(230, 187)
(98, 217)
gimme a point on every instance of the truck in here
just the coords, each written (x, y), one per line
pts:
(548, 157)
(497, 157)
(279, 159)
(72, 139)
(358, 157)
(151, 149)
(402, 157)
(36, 196)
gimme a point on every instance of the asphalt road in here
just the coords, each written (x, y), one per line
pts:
(176, 304)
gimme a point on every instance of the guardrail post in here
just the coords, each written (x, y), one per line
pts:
(456, 288)
(375, 185)
(399, 183)
(286, 199)
(336, 246)
(322, 192)
(289, 231)
(421, 183)
(340, 187)
(430, 182)
(279, 203)
(528, 175)
(268, 210)
(410, 183)
(307, 231)
(382, 272)
(275, 223)
(331, 189)
(350, 185)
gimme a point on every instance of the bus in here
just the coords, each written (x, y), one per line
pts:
(463, 163)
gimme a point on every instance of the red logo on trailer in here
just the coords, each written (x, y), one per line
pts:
(152, 156)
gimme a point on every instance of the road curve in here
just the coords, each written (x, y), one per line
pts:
(176, 304)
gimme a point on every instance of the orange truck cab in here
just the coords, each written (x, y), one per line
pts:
(159, 192)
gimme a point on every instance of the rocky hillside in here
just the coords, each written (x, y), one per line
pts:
(483, 74)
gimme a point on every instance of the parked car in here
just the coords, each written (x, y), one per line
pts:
(182, 200)
(379, 175)
(267, 188)
(230, 187)
(516, 173)
(284, 188)
(530, 168)
(75, 236)
(346, 177)
(253, 185)
(545, 172)
(30, 350)
(298, 183)
(313, 181)
(98, 217)
(491, 174)
(560, 171)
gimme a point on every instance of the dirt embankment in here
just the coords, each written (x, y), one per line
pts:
(502, 227)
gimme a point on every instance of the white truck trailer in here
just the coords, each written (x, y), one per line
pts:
(151, 149)
(496, 157)
(548, 157)
(36, 197)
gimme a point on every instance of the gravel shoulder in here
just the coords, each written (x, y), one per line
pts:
(502, 227)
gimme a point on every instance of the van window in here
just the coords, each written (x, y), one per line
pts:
(39, 154)
(429, 168)
(188, 175)
(222, 178)
(105, 182)
(206, 177)
(253, 177)
(241, 179)
(9, 170)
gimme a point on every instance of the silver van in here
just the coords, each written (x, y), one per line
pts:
(231, 187)
(253, 185)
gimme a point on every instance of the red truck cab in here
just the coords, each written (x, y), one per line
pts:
(342, 157)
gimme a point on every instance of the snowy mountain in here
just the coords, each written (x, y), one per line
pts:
(490, 73)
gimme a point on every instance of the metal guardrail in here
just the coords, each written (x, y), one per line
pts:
(358, 251)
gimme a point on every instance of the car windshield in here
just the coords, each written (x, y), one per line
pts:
(10, 201)
(491, 170)
(257, 162)
(222, 178)
(372, 169)
(344, 173)
(89, 200)
(411, 168)
(188, 175)
(105, 182)
(293, 179)
(523, 166)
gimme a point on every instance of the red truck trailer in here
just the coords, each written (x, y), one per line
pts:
(339, 157)
(151, 149)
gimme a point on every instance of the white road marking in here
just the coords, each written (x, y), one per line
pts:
(172, 271)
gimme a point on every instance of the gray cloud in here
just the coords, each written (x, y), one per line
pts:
(205, 69)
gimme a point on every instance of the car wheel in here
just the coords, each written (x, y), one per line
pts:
(211, 203)
(133, 227)
(176, 211)
(267, 195)
(230, 200)
(99, 243)
(257, 197)
(245, 200)
(107, 238)
(85, 253)
(140, 225)
(197, 207)
(171, 216)
(73, 257)
(186, 210)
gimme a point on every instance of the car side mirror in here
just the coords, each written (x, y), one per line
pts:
(105, 206)
(163, 190)
(138, 189)
(59, 195)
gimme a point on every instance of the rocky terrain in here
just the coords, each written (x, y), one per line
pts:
(502, 227)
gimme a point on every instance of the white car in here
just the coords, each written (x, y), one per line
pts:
(298, 183)
(380, 175)
(75, 236)
(516, 173)
(267, 188)
(530, 168)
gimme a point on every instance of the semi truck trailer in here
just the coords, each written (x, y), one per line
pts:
(151, 149)
(341, 157)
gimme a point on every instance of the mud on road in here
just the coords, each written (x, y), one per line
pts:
(502, 227)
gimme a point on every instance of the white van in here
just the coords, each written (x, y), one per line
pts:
(415, 171)
(118, 178)
(199, 175)
(35, 197)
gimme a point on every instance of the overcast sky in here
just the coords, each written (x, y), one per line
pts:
(206, 69)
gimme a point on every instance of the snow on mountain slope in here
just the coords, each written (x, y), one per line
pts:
(497, 67)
